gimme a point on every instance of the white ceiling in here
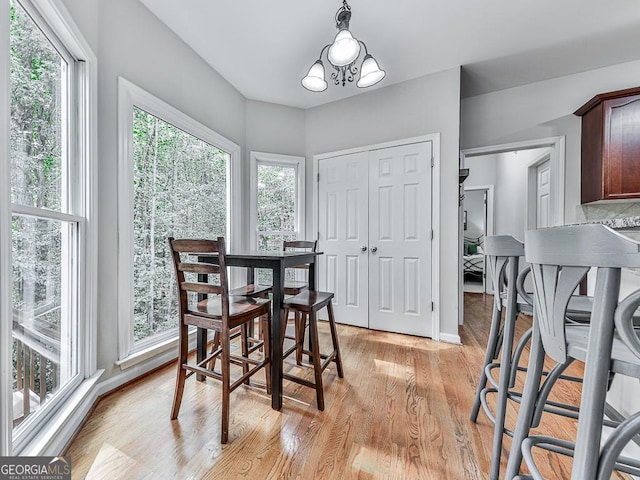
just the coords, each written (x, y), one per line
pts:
(264, 48)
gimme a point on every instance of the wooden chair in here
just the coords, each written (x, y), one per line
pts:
(560, 258)
(307, 303)
(294, 287)
(215, 310)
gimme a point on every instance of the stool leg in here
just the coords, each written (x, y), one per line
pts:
(214, 347)
(317, 367)
(244, 340)
(528, 403)
(182, 373)
(334, 340)
(299, 322)
(226, 387)
(265, 326)
(489, 355)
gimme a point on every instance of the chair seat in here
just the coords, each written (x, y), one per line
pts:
(238, 307)
(251, 290)
(623, 360)
(308, 300)
(294, 287)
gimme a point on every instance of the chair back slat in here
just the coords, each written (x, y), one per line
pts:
(202, 268)
(188, 245)
(199, 287)
(499, 250)
(593, 245)
(300, 245)
(553, 286)
(205, 252)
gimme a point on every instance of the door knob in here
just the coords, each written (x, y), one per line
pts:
(374, 249)
(363, 248)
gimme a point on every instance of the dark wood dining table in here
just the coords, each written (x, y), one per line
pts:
(277, 262)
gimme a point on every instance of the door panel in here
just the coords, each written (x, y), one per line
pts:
(543, 195)
(343, 230)
(400, 239)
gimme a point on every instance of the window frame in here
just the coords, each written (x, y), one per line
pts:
(129, 96)
(273, 159)
(54, 21)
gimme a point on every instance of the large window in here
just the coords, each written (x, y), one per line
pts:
(277, 202)
(176, 182)
(49, 193)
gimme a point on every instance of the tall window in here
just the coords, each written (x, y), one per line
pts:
(48, 222)
(177, 178)
(277, 201)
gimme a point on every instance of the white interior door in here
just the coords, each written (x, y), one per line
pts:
(400, 239)
(343, 207)
(543, 195)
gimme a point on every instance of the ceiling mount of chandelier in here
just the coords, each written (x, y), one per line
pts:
(342, 55)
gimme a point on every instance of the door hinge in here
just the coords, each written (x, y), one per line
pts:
(431, 234)
(432, 160)
(432, 307)
(318, 177)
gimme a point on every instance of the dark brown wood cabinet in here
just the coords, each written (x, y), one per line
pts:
(611, 146)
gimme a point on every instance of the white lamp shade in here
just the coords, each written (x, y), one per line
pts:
(314, 80)
(370, 72)
(344, 50)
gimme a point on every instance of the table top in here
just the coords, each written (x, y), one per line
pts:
(267, 255)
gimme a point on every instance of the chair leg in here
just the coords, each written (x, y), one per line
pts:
(182, 373)
(214, 347)
(334, 340)
(301, 321)
(489, 355)
(503, 383)
(283, 327)
(244, 340)
(315, 355)
(528, 403)
(226, 390)
(265, 326)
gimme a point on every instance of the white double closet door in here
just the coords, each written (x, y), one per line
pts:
(374, 225)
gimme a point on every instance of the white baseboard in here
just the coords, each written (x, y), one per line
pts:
(56, 435)
(450, 338)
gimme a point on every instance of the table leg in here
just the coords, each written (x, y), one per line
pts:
(276, 344)
(312, 275)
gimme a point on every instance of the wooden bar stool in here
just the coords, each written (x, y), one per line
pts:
(307, 303)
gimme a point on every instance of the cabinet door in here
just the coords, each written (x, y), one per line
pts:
(621, 156)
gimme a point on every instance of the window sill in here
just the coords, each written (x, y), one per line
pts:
(152, 351)
(55, 435)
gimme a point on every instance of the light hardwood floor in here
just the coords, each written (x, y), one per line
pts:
(401, 412)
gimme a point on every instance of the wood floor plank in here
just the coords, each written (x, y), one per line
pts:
(401, 412)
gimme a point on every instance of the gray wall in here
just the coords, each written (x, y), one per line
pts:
(131, 42)
(429, 104)
(270, 128)
(539, 110)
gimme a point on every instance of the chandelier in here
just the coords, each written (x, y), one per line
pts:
(342, 55)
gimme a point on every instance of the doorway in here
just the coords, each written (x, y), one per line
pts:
(528, 180)
(477, 224)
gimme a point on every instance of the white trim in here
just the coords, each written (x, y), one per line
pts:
(450, 338)
(275, 159)
(434, 138)
(6, 404)
(130, 95)
(42, 213)
(489, 227)
(61, 429)
(65, 35)
(558, 153)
